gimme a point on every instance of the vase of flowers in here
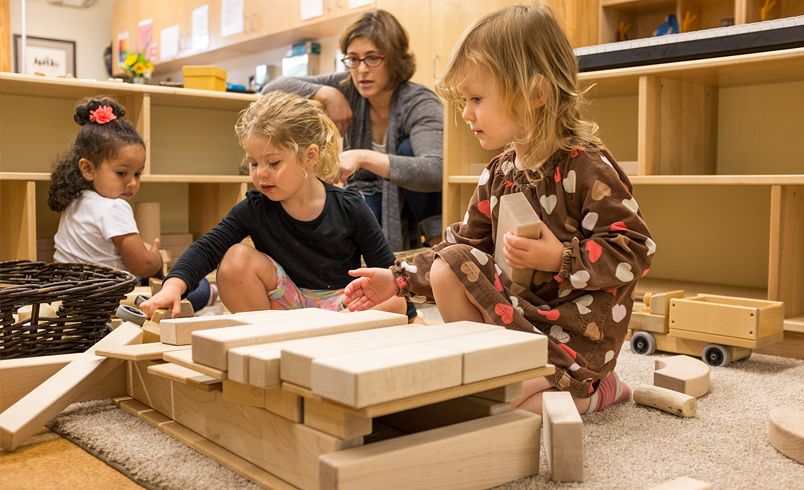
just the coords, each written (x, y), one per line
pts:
(137, 66)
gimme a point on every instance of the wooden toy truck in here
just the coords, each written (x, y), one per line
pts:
(720, 329)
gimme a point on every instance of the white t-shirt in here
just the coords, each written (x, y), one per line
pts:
(87, 226)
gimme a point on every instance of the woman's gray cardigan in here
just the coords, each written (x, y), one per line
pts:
(415, 113)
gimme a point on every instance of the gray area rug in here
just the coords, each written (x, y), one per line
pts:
(627, 446)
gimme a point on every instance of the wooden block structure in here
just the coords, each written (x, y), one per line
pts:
(666, 400)
(149, 220)
(786, 432)
(683, 374)
(25, 417)
(563, 436)
(517, 216)
(286, 430)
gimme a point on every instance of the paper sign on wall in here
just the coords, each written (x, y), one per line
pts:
(122, 45)
(144, 34)
(200, 28)
(353, 4)
(168, 42)
(231, 17)
(309, 9)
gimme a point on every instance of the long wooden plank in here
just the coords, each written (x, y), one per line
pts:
(138, 352)
(30, 413)
(382, 375)
(495, 353)
(481, 453)
(297, 357)
(185, 358)
(174, 372)
(19, 376)
(211, 346)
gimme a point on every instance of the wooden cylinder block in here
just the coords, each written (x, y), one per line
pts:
(786, 432)
(667, 400)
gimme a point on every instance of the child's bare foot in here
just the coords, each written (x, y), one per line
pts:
(610, 391)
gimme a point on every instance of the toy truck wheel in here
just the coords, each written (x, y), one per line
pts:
(643, 343)
(716, 355)
(131, 314)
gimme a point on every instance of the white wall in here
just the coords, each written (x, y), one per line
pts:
(90, 28)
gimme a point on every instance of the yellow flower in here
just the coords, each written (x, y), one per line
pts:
(131, 59)
(139, 68)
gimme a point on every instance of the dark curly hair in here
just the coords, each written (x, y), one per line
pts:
(96, 142)
(382, 29)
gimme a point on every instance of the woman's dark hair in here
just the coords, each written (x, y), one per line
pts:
(96, 141)
(382, 29)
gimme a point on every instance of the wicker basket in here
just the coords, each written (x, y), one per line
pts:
(89, 295)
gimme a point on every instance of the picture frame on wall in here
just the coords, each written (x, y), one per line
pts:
(54, 57)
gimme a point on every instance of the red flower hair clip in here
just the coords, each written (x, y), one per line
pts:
(102, 115)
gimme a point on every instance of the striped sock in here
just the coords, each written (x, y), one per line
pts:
(609, 391)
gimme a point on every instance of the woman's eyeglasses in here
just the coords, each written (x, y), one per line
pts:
(371, 61)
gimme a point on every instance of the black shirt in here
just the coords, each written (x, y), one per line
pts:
(315, 254)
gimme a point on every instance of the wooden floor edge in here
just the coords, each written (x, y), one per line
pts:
(207, 448)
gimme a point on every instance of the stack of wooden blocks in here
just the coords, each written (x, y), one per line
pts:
(320, 399)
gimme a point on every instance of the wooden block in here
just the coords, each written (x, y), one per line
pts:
(480, 453)
(786, 432)
(563, 436)
(496, 353)
(181, 374)
(151, 332)
(667, 400)
(297, 356)
(285, 404)
(517, 216)
(31, 412)
(683, 374)
(155, 285)
(154, 391)
(148, 218)
(210, 346)
(335, 421)
(648, 322)
(659, 303)
(505, 393)
(185, 358)
(138, 352)
(684, 483)
(20, 376)
(443, 413)
(244, 394)
(381, 375)
(177, 331)
(263, 368)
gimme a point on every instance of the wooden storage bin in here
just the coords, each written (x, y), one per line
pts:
(204, 77)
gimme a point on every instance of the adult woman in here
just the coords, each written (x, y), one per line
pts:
(392, 128)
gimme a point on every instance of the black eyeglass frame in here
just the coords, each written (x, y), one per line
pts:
(353, 62)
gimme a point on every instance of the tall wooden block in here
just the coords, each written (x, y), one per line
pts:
(210, 346)
(517, 216)
(375, 376)
(149, 220)
(479, 453)
(563, 436)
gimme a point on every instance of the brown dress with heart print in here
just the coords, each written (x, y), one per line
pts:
(585, 199)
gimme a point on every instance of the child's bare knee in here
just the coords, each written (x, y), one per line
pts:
(441, 275)
(235, 261)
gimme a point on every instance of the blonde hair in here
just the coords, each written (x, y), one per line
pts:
(528, 54)
(293, 123)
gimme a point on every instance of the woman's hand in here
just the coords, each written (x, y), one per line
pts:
(542, 254)
(350, 163)
(336, 106)
(168, 297)
(372, 287)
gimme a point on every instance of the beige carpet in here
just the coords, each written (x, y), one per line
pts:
(627, 446)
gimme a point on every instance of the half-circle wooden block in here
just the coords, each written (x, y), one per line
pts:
(684, 374)
(786, 432)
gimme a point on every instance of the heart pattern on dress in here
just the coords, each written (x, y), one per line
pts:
(505, 312)
(551, 315)
(651, 246)
(449, 236)
(569, 182)
(484, 207)
(559, 334)
(471, 270)
(600, 190)
(579, 279)
(594, 249)
(484, 177)
(548, 202)
(409, 267)
(481, 257)
(493, 201)
(608, 357)
(589, 221)
(583, 302)
(624, 272)
(631, 204)
(618, 313)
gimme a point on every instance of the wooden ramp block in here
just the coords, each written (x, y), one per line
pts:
(786, 432)
(297, 356)
(684, 483)
(184, 358)
(211, 346)
(138, 352)
(381, 375)
(443, 413)
(666, 400)
(683, 374)
(496, 353)
(480, 453)
(517, 216)
(563, 436)
(26, 417)
(185, 376)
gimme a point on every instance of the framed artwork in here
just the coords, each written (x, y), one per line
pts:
(49, 56)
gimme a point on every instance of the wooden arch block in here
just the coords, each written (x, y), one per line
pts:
(684, 374)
